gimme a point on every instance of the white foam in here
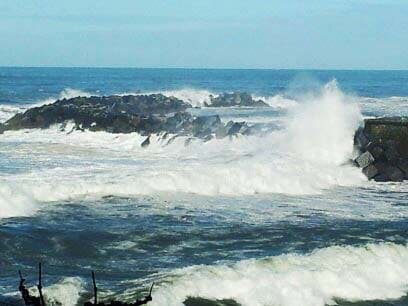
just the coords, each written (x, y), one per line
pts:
(278, 101)
(306, 157)
(202, 97)
(350, 273)
(195, 97)
(8, 111)
(66, 292)
(15, 202)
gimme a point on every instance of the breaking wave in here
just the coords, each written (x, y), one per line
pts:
(14, 202)
(306, 157)
(317, 279)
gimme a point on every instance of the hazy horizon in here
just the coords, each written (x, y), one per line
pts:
(201, 68)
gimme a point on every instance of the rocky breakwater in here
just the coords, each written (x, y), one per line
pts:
(383, 147)
(144, 114)
(242, 99)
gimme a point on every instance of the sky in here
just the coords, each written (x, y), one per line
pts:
(271, 34)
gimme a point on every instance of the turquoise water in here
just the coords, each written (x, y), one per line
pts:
(277, 219)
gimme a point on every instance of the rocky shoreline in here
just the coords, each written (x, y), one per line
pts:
(382, 144)
(144, 114)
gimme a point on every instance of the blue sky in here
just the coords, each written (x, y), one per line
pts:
(325, 34)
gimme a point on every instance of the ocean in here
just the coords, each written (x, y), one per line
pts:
(281, 218)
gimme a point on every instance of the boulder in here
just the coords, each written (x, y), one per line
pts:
(370, 171)
(365, 159)
(235, 99)
(383, 143)
(205, 125)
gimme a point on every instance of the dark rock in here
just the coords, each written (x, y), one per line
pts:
(197, 301)
(116, 114)
(389, 173)
(403, 165)
(370, 171)
(360, 139)
(394, 174)
(236, 99)
(205, 125)
(146, 142)
(377, 152)
(384, 146)
(235, 128)
(144, 114)
(389, 130)
(391, 150)
(382, 178)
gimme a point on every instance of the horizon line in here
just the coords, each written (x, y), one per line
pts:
(203, 68)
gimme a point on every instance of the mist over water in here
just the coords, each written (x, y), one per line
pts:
(277, 218)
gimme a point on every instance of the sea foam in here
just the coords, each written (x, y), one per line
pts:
(317, 279)
(306, 156)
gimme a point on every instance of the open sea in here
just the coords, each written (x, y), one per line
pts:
(279, 219)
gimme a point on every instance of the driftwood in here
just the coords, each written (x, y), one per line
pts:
(148, 298)
(30, 300)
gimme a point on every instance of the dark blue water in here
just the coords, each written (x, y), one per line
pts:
(22, 85)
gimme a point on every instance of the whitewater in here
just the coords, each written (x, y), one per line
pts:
(277, 218)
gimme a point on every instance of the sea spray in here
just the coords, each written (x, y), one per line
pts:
(305, 157)
(14, 202)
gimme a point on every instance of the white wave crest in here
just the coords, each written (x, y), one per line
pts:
(351, 273)
(195, 97)
(278, 101)
(8, 111)
(67, 93)
(306, 157)
(14, 202)
(67, 292)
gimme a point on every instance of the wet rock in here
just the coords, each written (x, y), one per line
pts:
(365, 159)
(370, 171)
(144, 114)
(236, 99)
(235, 128)
(205, 125)
(197, 301)
(394, 174)
(116, 114)
(403, 165)
(383, 143)
(146, 142)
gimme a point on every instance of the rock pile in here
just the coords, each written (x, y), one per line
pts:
(383, 143)
(236, 99)
(145, 114)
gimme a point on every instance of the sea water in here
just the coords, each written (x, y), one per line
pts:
(279, 218)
